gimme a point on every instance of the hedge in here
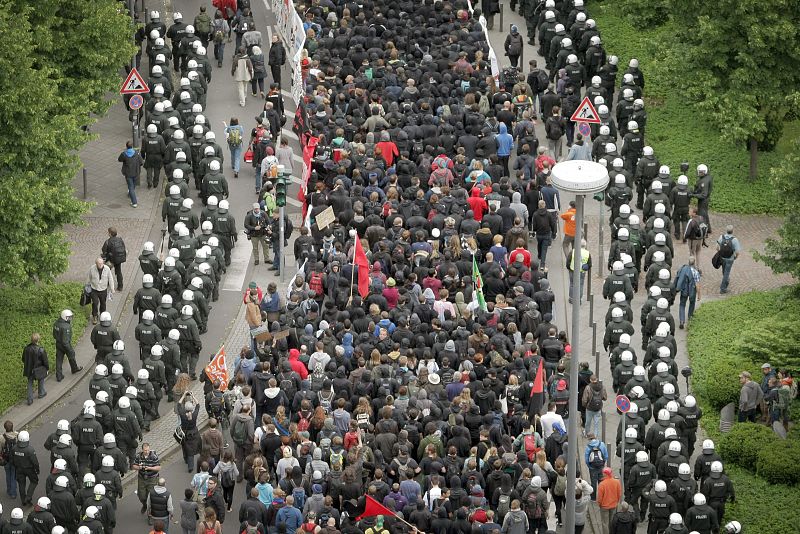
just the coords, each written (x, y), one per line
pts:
(24, 312)
(676, 132)
(726, 337)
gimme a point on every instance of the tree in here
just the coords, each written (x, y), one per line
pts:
(60, 60)
(733, 59)
(783, 255)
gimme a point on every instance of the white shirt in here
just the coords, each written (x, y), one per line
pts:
(548, 420)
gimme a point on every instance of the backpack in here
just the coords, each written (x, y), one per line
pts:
(554, 132)
(239, 432)
(560, 487)
(234, 134)
(315, 283)
(336, 458)
(251, 529)
(726, 247)
(116, 249)
(216, 405)
(503, 505)
(542, 81)
(530, 447)
(5, 454)
(303, 423)
(208, 530)
(287, 385)
(226, 480)
(203, 24)
(595, 403)
(261, 134)
(325, 402)
(700, 230)
(299, 495)
(596, 460)
(533, 508)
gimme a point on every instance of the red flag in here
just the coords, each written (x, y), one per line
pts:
(537, 392)
(374, 508)
(360, 261)
(217, 369)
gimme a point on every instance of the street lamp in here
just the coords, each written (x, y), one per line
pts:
(581, 178)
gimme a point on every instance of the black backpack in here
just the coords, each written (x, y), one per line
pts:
(116, 250)
(5, 453)
(726, 249)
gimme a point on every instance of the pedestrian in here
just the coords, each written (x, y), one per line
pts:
(513, 46)
(595, 456)
(568, 241)
(188, 409)
(695, 233)
(253, 318)
(242, 72)
(189, 515)
(580, 150)
(7, 443)
(209, 525)
(132, 163)
(202, 27)
(35, 366)
(101, 280)
(609, 494)
(750, 397)
(594, 395)
(584, 493)
(147, 464)
(159, 505)
(554, 129)
(543, 227)
(219, 33)
(585, 265)
(26, 467)
(62, 334)
(624, 521)
(257, 60)
(276, 58)
(115, 254)
(728, 248)
(214, 505)
(227, 473)
(256, 223)
(234, 134)
(687, 283)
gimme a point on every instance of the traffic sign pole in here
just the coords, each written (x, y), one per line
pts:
(623, 404)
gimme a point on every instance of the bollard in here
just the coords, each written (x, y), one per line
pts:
(596, 360)
(603, 429)
(85, 183)
(594, 337)
(591, 310)
(502, 8)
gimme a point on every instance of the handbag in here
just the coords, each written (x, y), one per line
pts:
(40, 373)
(248, 155)
(179, 435)
(716, 260)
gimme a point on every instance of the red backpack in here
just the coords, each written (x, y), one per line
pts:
(315, 283)
(303, 424)
(530, 447)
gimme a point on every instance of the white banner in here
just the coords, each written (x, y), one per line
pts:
(289, 25)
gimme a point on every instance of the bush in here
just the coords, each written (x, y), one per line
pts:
(742, 444)
(646, 14)
(761, 506)
(26, 311)
(779, 461)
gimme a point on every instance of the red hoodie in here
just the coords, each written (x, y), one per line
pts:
(297, 366)
(477, 204)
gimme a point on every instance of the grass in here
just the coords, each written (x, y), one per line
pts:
(720, 343)
(24, 312)
(677, 133)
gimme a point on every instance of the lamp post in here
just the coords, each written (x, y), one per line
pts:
(580, 178)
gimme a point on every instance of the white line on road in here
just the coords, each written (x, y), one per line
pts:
(240, 260)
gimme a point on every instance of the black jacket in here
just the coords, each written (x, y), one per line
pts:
(33, 357)
(277, 54)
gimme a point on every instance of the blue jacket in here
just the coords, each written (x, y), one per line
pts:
(504, 140)
(591, 445)
(291, 516)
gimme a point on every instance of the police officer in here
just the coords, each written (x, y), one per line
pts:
(110, 479)
(640, 478)
(103, 337)
(90, 524)
(155, 366)
(623, 371)
(102, 409)
(148, 260)
(62, 333)
(62, 427)
(165, 314)
(147, 297)
(99, 381)
(117, 383)
(118, 357)
(680, 199)
(110, 448)
(670, 463)
(126, 426)
(132, 393)
(190, 342)
(26, 465)
(701, 517)
(171, 359)
(88, 436)
(702, 192)
(147, 334)
(86, 492)
(225, 228)
(661, 507)
(646, 171)
(41, 519)
(618, 326)
(105, 513)
(691, 414)
(146, 395)
(682, 488)
(169, 280)
(617, 281)
(718, 489)
(15, 525)
(66, 451)
(59, 469)
(630, 448)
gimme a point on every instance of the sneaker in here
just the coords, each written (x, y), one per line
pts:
(94, 319)
(134, 205)
(681, 326)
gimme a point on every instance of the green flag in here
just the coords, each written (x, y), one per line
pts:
(477, 286)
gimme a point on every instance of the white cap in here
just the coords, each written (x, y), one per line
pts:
(619, 296)
(641, 456)
(625, 339)
(143, 374)
(683, 180)
(108, 461)
(675, 446)
(647, 151)
(100, 489)
(101, 396)
(684, 469)
(124, 402)
(132, 391)
(617, 313)
(626, 356)
(668, 389)
(663, 415)
(63, 425)
(631, 433)
(223, 204)
(109, 438)
(690, 401)
(617, 266)
(91, 511)
(147, 315)
(157, 350)
(638, 371)
(60, 464)
(662, 367)
(716, 467)
(166, 299)
(662, 303)
(174, 334)
(105, 316)
(675, 519)
(637, 391)
(16, 513)
(702, 168)
(101, 370)
(660, 486)
(62, 481)
(699, 499)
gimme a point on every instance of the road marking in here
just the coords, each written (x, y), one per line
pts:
(240, 260)
(290, 134)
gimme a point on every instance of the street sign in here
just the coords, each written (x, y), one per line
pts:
(586, 113)
(136, 102)
(134, 84)
(584, 129)
(623, 403)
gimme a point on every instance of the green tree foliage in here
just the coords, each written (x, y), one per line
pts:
(783, 254)
(731, 59)
(60, 59)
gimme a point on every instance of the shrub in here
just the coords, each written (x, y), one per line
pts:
(24, 312)
(646, 14)
(779, 461)
(762, 506)
(741, 446)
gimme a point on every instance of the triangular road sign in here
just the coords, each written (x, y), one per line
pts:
(586, 113)
(134, 84)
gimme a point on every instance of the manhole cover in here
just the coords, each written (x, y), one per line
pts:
(115, 205)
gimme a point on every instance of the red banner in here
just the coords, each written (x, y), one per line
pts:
(374, 508)
(308, 156)
(217, 369)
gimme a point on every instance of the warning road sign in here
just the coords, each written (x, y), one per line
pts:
(134, 84)
(586, 113)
